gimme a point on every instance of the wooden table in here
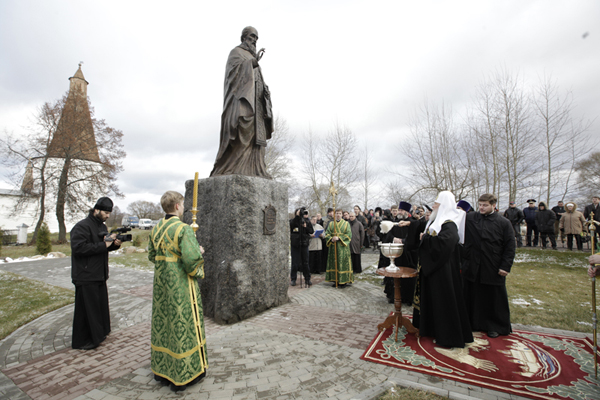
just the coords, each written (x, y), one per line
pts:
(397, 319)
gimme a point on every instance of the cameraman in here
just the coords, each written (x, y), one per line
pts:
(90, 244)
(300, 231)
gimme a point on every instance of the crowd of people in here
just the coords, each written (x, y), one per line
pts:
(463, 256)
(562, 222)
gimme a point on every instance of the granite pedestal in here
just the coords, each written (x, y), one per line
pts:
(246, 271)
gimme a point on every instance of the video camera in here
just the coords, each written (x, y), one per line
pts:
(119, 232)
(303, 212)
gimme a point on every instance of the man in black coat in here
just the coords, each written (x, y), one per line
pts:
(300, 231)
(488, 257)
(593, 208)
(90, 244)
(532, 228)
(544, 219)
(515, 216)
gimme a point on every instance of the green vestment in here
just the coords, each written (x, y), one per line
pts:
(178, 341)
(339, 263)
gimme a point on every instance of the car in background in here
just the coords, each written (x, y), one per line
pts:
(145, 223)
(130, 221)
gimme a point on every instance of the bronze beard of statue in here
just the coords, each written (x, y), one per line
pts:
(247, 119)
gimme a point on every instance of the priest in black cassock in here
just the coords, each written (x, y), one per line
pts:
(409, 236)
(439, 306)
(90, 244)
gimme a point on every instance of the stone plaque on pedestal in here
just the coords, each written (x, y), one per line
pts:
(246, 270)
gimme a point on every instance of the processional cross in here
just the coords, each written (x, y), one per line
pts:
(333, 192)
(591, 225)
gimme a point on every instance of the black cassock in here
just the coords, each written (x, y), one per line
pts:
(409, 258)
(439, 306)
(91, 322)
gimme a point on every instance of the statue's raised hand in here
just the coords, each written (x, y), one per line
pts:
(260, 53)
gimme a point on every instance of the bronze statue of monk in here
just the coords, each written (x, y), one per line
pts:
(247, 119)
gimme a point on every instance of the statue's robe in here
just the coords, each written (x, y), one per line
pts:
(178, 341)
(247, 119)
(439, 306)
(339, 264)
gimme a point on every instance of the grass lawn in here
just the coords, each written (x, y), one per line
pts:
(23, 300)
(551, 289)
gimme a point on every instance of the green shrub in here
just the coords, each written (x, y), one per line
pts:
(137, 241)
(43, 244)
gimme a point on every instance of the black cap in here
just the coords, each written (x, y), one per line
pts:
(531, 201)
(104, 204)
(404, 205)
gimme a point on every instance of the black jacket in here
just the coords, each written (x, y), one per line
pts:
(557, 210)
(514, 215)
(89, 254)
(592, 209)
(300, 235)
(489, 247)
(530, 215)
(544, 219)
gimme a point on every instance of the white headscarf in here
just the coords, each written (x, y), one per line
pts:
(447, 211)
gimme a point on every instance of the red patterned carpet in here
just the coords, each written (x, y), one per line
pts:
(534, 365)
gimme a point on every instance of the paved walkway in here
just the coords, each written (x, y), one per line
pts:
(306, 349)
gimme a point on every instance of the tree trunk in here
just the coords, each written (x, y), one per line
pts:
(42, 202)
(61, 200)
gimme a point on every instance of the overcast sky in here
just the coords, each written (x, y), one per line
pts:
(156, 68)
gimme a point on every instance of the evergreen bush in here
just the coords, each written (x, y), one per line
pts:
(43, 244)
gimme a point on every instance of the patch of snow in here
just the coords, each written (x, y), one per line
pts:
(520, 302)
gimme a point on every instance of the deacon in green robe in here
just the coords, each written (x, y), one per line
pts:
(178, 341)
(339, 264)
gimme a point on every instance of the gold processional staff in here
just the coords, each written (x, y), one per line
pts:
(592, 228)
(333, 193)
(194, 225)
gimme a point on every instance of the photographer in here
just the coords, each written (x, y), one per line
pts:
(90, 244)
(300, 231)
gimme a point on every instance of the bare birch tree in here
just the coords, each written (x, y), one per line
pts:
(562, 139)
(501, 127)
(368, 177)
(27, 155)
(331, 158)
(437, 153)
(277, 153)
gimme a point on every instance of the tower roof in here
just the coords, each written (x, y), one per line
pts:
(74, 137)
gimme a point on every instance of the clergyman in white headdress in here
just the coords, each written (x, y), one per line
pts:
(439, 308)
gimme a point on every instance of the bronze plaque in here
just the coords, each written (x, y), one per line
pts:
(270, 220)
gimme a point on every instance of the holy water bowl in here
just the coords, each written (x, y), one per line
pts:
(392, 251)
